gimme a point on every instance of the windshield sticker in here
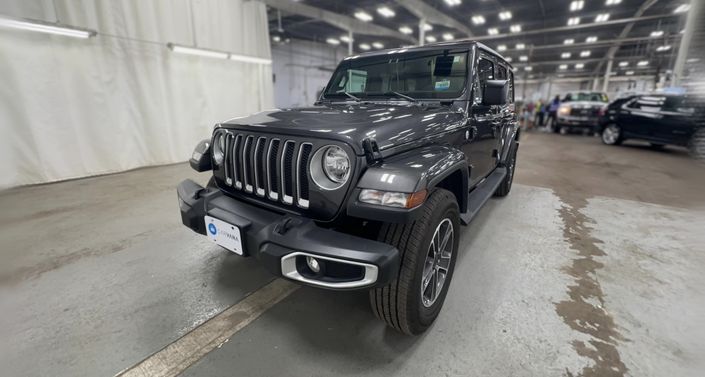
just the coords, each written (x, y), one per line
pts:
(443, 85)
(456, 59)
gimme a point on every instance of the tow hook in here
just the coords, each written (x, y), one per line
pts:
(286, 224)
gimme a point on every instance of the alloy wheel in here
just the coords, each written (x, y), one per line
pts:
(437, 263)
(610, 135)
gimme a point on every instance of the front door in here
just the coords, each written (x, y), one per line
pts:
(484, 121)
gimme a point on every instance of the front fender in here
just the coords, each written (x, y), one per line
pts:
(411, 171)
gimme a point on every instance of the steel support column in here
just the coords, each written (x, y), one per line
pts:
(695, 16)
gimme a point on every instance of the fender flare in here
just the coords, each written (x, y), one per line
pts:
(408, 172)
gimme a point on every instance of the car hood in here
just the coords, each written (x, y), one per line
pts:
(390, 124)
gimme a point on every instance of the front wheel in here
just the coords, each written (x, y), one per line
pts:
(612, 135)
(428, 249)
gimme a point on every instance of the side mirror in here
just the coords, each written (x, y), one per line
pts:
(495, 92)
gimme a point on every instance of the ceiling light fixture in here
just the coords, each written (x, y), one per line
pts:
(46, 27)
(682, 8)
(656, 33)
(663, 48)
(569, 41)
(516, 28)
(386, 12)
(508, 59)
(613, 2)
(579, 66)
(363, 16)
(624, 64)
(427, 27)
(405, 30)
(187, 50)
(345, 38)
(523, 58)
(602, 17)
(528, 68)
(502, 48)
(364, 46)
(591, 39)
(573, 21)
(431, 39)
(478, 20)
(585, 54)
(493, 31)
(563, 66)
(520, 46)
(333, 41)
(505, 15)
(576, 5)
(629, 73)
(643, 63)
(448, 37)
(378, 45)
(565, 55)
(453, 3)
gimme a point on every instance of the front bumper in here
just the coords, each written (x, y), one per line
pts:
(578, 122)
(282, 242)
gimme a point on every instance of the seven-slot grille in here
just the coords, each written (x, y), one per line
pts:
(268, 167)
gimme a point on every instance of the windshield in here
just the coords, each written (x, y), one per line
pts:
(426, 75)
(593, 97)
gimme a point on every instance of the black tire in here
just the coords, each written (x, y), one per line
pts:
(657, 145)
(506, 185)
(399, 303)
(612, 135)
(696, 146)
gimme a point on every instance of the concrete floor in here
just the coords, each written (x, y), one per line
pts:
(591, 267)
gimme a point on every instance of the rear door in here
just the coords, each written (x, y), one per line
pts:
(479, 149)
(675, 123)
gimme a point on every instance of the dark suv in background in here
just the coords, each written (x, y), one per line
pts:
(659, 119)
(368, 188)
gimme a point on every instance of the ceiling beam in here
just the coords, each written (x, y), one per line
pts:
(602, 43)
(433, 16)
(574, 27)
(337, 20)
(625, 32)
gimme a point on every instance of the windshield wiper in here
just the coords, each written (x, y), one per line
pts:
(351, 96)
(408, 98)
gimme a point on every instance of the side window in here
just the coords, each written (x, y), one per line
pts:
(485, 71)
(501, 72)
(649, 103)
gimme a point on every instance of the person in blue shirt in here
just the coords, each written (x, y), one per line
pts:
(553, 112)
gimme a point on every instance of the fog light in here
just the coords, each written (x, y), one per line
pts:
(313, 264)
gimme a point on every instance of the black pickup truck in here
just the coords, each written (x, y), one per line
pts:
(368, 188)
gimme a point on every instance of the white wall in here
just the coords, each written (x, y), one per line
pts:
(301, 70)
(72, 108)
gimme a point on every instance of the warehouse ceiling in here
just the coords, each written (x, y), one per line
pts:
(538, 34)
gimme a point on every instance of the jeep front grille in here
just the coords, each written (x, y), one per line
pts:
(268, 167)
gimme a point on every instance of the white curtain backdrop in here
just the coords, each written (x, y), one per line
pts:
(72, 108)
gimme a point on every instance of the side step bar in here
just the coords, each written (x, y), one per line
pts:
(482, 193)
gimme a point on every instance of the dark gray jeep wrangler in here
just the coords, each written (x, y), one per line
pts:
(368, 188)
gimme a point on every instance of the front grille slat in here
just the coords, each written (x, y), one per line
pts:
(235, 155)
(287, 175)
(247, 164)
(272, 175)
(259, 164)
(302, 175)
(227, 161)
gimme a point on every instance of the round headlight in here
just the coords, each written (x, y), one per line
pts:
(219, 148)
(336, 164)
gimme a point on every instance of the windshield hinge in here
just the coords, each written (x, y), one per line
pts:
(372, 152)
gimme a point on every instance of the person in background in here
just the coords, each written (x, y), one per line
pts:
(528, 115)
(539, 114)
(553, 112)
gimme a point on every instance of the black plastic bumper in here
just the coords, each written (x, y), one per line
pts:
(271, 236)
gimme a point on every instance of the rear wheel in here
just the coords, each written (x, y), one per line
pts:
(696, 146)
(612, 135)
(428, 250)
